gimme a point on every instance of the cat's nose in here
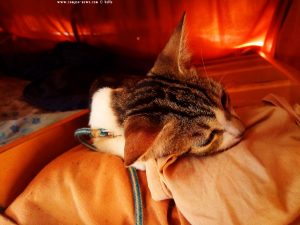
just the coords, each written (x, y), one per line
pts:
(235, 127)
(232, 125)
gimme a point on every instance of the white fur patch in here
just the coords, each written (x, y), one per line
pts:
(102, 116)
(110, 145)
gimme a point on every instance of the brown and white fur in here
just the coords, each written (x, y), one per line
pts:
(171, 111)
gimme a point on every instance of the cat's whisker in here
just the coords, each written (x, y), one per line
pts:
(205, 71)
(222, 78)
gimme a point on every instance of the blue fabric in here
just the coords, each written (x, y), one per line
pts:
(138, 204)
(13, 129)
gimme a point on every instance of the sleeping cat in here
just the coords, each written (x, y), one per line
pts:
(171, 111)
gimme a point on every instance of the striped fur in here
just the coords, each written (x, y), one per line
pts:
(170, 111)
(199, 107)
(163, 95)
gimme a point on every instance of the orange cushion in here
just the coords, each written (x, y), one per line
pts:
(86, 187)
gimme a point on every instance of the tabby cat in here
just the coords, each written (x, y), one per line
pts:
(170, 111)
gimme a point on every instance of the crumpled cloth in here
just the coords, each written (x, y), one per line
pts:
(255, 182)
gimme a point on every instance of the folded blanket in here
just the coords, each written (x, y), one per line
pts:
(255, 182)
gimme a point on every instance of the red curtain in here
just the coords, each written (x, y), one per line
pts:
(215, 27)
(219, 27)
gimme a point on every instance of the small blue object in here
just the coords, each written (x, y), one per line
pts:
(36, 120)
(15, 128)
(103, 132)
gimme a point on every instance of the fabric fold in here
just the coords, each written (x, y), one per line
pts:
(255, 182)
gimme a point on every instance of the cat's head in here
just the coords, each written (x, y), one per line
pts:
(205, 122)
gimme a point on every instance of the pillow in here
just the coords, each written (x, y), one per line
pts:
(86, 187)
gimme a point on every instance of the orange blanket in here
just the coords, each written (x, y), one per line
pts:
(256, 182)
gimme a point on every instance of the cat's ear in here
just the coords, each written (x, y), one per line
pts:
(175, 58)
(145, 139)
